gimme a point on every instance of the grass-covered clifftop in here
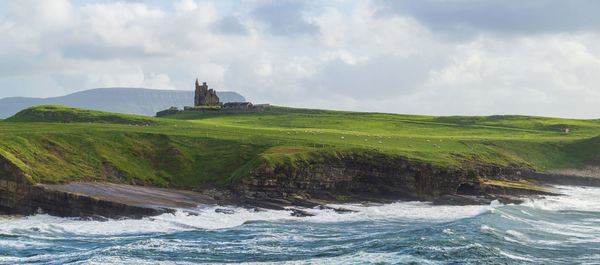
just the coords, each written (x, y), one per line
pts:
(59, 144)
(536, 142)
(61, 114)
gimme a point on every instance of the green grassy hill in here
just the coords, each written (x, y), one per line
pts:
(59, 144)
(61, 114)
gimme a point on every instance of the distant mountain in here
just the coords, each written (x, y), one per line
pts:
(140, 101)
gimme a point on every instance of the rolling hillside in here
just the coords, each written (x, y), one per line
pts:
(59, 144)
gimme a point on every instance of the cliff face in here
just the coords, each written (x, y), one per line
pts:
(381, 178)
(371, 177)
(353, 177)
(19, 196)
(14, 187)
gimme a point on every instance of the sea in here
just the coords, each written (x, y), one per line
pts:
(546, 230)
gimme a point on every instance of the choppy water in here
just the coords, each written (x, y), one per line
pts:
(553, 230)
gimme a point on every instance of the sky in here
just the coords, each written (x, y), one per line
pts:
(432, 57)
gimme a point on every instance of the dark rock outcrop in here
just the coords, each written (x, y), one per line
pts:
(378, 177)
(351, 177)
(66, 204)
(19, 196)
(14, 188)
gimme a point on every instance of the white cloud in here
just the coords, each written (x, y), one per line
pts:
(121, 74)
(545, 75)
(158, 81)
(185, 5)
(344, 56)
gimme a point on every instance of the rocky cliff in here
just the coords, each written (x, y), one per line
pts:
(19, 196)
(348, 177)
(384, 178)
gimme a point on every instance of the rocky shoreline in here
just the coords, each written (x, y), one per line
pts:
(330, 179)
(382, 178)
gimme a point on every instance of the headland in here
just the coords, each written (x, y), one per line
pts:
(77, 162)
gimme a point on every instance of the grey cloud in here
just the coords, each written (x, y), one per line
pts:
(19, 64)
(285, 17)
(229, 25)
(505, 17)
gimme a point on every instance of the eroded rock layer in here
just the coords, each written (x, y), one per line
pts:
(378, 177)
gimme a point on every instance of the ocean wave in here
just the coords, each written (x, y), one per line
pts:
(210, 218)
(555, 229)
(575, 198)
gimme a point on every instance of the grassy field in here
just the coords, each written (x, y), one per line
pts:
(58, 144)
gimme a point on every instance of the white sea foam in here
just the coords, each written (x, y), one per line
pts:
(515, 233)
(360, 257)
(399, 210)
(42, 225)
(576, 198)
(555, 219)
(356, 258)
(486, 228)
(516, 257)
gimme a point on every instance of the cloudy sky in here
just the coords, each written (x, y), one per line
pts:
(439, 57)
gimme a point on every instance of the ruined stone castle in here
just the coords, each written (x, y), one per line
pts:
(206, 100)
(205, 96)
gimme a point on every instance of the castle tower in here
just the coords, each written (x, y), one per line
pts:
(198, 93)
(205, 96)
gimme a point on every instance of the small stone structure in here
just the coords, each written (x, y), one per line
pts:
(238, 105)
(244, 106)
(169, 111)
(206, 100)
(205, 96)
